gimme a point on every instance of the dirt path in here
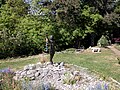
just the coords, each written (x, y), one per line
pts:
(116, 51)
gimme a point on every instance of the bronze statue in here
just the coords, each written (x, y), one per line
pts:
(52, 47)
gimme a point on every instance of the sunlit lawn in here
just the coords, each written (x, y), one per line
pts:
(17, 63)
(104, 63)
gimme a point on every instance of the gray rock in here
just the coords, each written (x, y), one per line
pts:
(76, 73)
(31, 75)
(26, 67)
(32, 66)
(48, 63)
(57, 74)
(46, 86)
(37, 66)
(32, 78)
(31, 72)
(24, 73)
(56, 64)
(62, 64)
(37, 74)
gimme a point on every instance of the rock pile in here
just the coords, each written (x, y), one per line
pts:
(59, 76)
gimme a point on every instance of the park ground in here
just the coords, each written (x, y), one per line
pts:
(104, 64)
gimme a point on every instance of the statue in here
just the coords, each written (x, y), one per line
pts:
(52, 47)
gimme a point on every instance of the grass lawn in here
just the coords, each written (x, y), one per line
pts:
(18, 63)
(104, 63)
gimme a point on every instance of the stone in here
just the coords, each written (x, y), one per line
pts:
(37, 74)
(26, 67)
(56, 64)
(32, 66)
(38, 66)
(76, 73)
(24, 73)
(32, 78)
(46, 86)
(54, 75)
(31, 72)
(48, 63)
(62, 64)
(31, 75)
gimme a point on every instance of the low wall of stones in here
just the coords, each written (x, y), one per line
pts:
(59, 75)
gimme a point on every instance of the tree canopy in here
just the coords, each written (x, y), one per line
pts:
(25, 23)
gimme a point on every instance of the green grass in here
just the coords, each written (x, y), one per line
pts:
(17, 63)
(104, 63)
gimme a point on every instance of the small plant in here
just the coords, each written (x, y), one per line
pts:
(6, 80)
(102, 42)
(69, 79)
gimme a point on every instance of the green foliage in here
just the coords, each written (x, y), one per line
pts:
(68, 79)
(103, 42)
(23, 26)
(10, 37)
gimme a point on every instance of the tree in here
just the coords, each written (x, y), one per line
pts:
(10, 15)
(103, 6)
(74, 19)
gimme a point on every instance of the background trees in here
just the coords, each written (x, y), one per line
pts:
(25, 23)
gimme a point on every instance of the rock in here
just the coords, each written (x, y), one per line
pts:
(38, 66)
(46, 86)
(32, 66)
(31, 75)
(62, 64)
(39, 69)
(26, 67)
(49, 67)
(37, 74)
(76, 73)
(31, 72)
(39, 63)
(56, 74)
(24, 73)
(48, 63)
(56, 64)
(32, 78)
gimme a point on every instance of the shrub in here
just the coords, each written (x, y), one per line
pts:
(102, 42)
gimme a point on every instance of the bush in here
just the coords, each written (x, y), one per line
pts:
(102, 42)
